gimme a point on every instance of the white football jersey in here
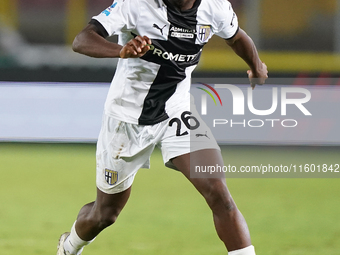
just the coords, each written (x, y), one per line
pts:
(144, 90)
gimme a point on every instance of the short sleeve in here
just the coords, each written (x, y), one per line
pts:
(228, 22)
(121, 16)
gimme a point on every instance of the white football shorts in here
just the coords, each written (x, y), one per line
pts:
(123, 148)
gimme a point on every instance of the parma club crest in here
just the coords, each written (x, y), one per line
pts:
(203, 33)
(111, 176)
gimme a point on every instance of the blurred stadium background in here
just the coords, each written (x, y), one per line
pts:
(294, 37)
(42, 185)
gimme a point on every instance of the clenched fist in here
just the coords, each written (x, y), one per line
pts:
(136, 47)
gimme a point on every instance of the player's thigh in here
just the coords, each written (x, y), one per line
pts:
(204, 158)
(120, 154)
(186, 132)
(210, 186)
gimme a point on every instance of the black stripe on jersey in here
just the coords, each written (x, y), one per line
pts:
(167, 54)
(185, 19)
(100, 29)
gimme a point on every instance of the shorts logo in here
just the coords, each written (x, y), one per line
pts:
(203, 135)
(111, 176)
(203, 33)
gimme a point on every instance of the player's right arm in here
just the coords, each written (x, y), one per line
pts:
(245, 48)
(90, 42)
(240, 42)
(121, 16)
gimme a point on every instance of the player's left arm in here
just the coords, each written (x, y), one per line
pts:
(244, 47)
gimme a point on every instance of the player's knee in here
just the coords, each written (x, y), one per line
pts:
(105, 218)
(106, 221)
(219, 198)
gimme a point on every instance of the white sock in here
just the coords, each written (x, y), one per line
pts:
(73, 244)
(250, 250)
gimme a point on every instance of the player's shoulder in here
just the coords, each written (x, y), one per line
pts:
(153, 3)
(135, 5)
(217, 4)
(219, 10)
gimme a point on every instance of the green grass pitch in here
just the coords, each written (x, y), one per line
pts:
(42, 187)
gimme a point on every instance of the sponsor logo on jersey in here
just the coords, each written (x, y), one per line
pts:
(179, 32)
(111, 176)
(171, 56)
(108, 11)
(157, 27)
(203, 33)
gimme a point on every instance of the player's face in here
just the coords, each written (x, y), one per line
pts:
(182, 4)
(178, 2)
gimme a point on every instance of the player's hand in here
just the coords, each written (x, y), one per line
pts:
(259, 77)
(136, 47)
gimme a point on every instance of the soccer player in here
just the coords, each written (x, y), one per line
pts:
(148, 105)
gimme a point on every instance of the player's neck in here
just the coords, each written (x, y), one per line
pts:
(182, 5)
